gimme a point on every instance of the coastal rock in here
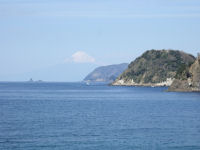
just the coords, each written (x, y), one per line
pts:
(121, 82)
(188, 80)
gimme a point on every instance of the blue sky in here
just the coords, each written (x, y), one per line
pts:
(63, 40)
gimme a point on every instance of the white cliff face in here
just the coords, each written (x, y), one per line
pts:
(122, 82)
(168, 82)
(118, 82)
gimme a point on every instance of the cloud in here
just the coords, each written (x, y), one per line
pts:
(81, 57)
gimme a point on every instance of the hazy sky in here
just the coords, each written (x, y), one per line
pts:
(63, 40)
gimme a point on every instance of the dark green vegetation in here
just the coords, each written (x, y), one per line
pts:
(155, 66)
(183, 72)
(106, 73)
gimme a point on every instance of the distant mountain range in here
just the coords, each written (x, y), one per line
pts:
(106, 73)
(154, 68)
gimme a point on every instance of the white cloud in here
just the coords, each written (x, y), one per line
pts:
(80, 57)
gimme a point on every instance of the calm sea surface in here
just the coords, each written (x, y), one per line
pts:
(75, 116)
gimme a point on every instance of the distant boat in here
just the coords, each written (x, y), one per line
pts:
(39, 81)
(31, 80)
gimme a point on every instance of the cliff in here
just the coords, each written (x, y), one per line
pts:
(154, 68)
(106, 73)
(188, 80)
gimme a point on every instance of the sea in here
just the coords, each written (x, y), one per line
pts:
(77, 116)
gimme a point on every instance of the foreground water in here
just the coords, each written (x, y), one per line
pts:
(74, 116)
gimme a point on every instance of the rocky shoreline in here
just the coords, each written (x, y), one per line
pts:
(121, 82)
(182, 86)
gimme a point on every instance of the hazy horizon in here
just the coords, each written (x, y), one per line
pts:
(65, 40)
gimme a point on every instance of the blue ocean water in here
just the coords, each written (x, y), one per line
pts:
(75, 116)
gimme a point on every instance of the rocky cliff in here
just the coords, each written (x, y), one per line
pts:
(188, 79)
(154, 68)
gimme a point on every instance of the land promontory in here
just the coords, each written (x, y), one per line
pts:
(106, 73)
(154, 68)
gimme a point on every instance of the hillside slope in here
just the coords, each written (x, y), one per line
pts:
(106, 73)
(154, 68)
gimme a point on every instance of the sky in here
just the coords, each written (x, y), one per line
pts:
(64, 40)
